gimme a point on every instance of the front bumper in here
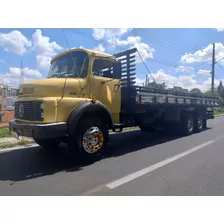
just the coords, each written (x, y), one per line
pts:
(40, 131)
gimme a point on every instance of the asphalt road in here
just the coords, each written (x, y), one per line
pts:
(138, 164)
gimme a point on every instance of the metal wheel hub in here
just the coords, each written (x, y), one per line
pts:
(190, 125)
(92, 140)
(200, 123)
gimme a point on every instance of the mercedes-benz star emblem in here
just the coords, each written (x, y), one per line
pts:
(21, 110)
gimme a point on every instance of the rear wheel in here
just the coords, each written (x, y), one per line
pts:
(187, 124)
(50, 144)
(204, 123)
(90, 140)
(199, 123)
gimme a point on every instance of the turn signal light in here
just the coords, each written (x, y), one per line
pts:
(93, 100)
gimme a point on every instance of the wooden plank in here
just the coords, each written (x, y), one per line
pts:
(125, 76)
(126, 80)
(133, 50)
(129, 70)
(131, 67)
(132, 61)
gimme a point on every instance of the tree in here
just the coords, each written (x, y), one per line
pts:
(220, 88)
(216, 94)
(196, 91)
(179, 89)
(157, 85)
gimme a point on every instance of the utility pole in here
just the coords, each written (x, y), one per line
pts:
(213, 68)
(21, 81)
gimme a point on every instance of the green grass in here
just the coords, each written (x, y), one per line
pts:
(8, 145)
(219, 111)
(22, 142)
(4, 132)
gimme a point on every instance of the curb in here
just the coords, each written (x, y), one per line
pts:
(18, 147)
(219, 115)
(15, 141)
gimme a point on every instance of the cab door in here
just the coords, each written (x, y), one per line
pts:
(105, 84)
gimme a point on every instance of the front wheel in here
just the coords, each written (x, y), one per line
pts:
(89, 140)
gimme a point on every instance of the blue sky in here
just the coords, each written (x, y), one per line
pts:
(180, 57)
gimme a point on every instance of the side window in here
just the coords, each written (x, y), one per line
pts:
(103, 68)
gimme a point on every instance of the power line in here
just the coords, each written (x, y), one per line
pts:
(146, 66)
(21, 81)
(219, 60)
(155, 59)
(220, 66)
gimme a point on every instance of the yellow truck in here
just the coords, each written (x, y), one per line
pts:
(88, 93)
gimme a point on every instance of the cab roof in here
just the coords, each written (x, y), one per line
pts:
(88, 51)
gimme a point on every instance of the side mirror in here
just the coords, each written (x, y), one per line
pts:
(117, 70)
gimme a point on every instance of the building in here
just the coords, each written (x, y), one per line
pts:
(9, 97)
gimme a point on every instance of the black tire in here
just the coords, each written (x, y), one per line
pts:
(146, 128)
(187, 124)
(49, 144)
(80, 145)
(205, 124)
(198, 125)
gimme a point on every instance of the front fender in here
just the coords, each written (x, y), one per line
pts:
(89, 109)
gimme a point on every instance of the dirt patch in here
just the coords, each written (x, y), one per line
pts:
(6, 116)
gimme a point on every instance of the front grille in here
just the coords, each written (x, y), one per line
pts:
(29, 110)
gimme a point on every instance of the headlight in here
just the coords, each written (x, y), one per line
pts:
(42, 106)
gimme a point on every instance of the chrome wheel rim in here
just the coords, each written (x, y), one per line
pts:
(190, 125)
(92, 140)
(200, 123)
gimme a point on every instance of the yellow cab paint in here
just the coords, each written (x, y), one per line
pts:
(62, 95)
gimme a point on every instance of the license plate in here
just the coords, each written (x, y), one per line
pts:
(15, 135)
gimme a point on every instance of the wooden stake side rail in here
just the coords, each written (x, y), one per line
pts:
(149, 96)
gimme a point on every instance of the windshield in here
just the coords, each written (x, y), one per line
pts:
(74, 64)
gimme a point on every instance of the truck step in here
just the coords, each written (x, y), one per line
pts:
(119, 127)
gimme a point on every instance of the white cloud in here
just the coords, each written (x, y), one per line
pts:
(43, 46)
(207, 83)
(43, 62)
(204, 55)
(220, 29)
(15, 42)
(100, 47)
(28, 72)
(45, 49)
(131, 42)
(182, 68)
(112, 39)
(204, 72)
(13, 76)
(104, 34)
(184, 81)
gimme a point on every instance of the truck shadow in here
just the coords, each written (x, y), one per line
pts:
(30, 163)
